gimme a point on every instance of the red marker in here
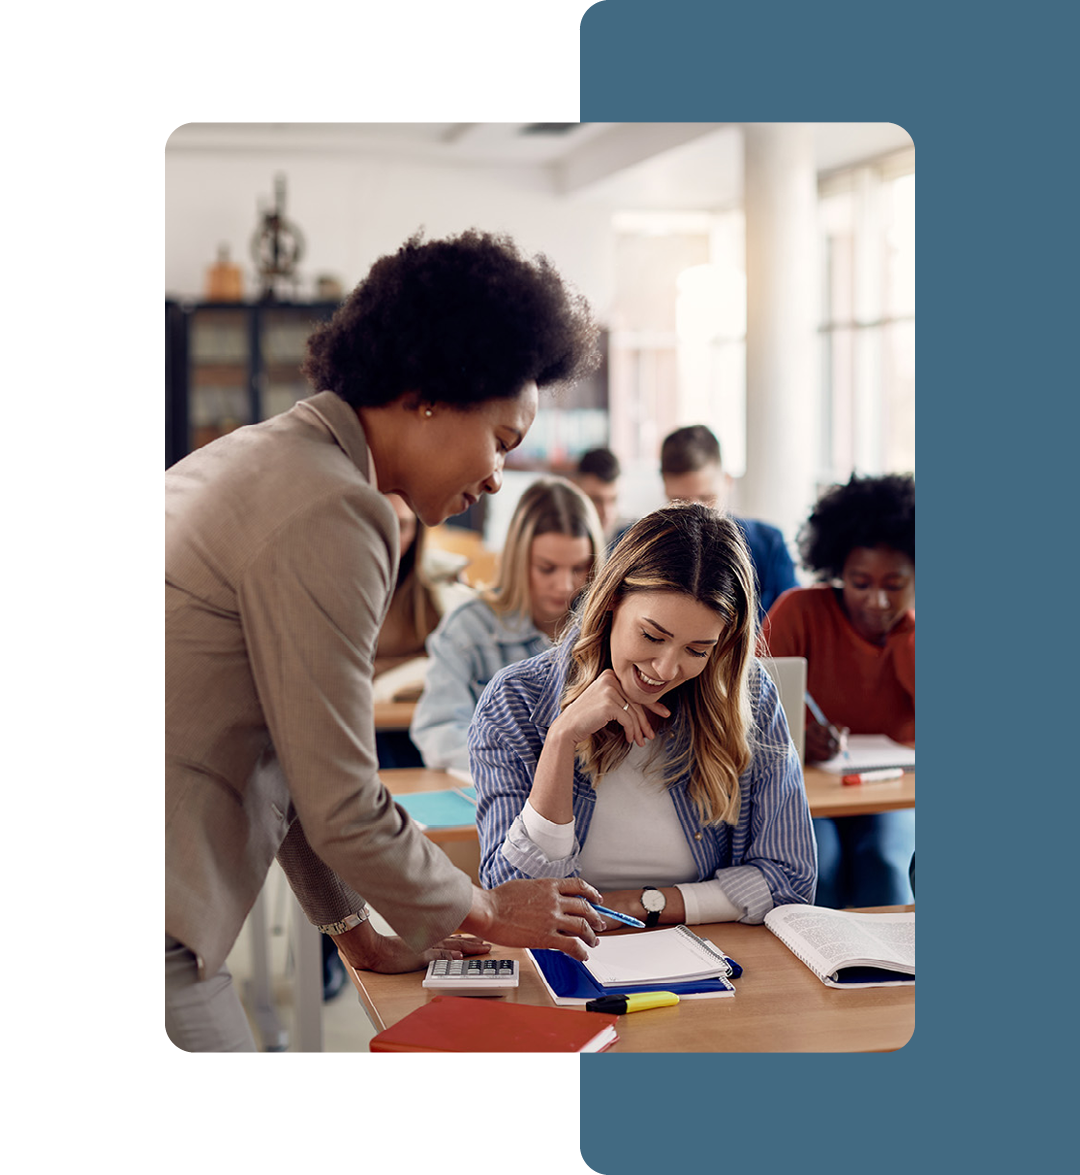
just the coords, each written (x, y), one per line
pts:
(873, 776)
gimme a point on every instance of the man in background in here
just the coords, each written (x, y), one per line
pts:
(598, 476)
(691, 469)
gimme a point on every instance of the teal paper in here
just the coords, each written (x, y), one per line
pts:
(439, 809)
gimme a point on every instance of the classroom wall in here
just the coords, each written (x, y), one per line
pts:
(352, 210)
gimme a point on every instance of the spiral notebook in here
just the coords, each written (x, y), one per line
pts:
(870, 752)
(569, 981)
(672, 955)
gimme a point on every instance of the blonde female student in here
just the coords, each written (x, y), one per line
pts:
(648, 753)
(553, 544)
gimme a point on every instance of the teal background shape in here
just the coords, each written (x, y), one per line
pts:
(986, 93)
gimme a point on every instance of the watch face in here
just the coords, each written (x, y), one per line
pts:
(653, 900)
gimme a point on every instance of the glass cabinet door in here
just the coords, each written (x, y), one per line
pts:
(219, 383)
(232, 364)
(283, 335)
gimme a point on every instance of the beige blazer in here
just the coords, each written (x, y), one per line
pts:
(280, 560)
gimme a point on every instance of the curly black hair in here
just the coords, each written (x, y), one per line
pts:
(459, 320)
(865, 512)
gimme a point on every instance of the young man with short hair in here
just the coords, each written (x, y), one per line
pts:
(691, 469)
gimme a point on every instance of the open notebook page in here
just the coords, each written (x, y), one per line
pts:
(866, 752)
(671, 955)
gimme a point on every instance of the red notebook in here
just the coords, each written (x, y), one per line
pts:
(456, 1024)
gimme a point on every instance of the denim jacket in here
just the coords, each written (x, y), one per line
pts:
(470, 645)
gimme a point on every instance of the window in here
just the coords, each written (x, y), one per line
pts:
(867, 337)
(678, 340)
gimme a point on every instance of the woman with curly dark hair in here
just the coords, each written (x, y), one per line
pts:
(856, 629)
(281, 559)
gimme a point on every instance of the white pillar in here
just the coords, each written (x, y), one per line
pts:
(782, 399)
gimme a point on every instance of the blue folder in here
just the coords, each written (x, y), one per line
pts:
(570, 979)
(439, 809)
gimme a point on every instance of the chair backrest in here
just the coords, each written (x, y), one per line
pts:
(789, 674)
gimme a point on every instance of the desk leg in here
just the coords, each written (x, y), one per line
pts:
(307, 951)
(257, 989)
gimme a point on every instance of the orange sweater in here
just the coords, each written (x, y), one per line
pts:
(868, 688)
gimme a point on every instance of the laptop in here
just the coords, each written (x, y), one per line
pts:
(789, 674)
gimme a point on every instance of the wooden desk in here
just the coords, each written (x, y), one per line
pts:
(779, 1005)
(393, 715)
(827, 795)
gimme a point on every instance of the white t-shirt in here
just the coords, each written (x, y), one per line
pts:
(635, 839)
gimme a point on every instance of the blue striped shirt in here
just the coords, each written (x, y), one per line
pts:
(768, 858)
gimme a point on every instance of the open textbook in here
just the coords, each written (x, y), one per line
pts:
(845, 949)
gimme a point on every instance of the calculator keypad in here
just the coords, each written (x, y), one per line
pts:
(472, 976)
(480, 968)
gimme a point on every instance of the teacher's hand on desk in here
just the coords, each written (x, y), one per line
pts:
(538, 912)
(368, 950)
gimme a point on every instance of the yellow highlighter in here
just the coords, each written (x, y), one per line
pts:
(618, 1004)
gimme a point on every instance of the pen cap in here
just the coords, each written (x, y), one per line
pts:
(612, 1004)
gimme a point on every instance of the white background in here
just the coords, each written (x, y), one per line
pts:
(97, 90)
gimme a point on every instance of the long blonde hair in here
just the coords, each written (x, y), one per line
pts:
(551, 505)
(698, 552)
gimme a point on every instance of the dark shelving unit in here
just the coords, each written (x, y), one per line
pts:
(232, 363)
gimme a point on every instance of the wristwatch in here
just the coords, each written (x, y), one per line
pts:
(654, 902)
(347, 923)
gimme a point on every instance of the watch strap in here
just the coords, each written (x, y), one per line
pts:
(346, 923)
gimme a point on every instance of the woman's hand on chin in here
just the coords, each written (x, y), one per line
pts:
(603, 702)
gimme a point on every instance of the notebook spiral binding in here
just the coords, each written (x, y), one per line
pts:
(797, 953)
(707, 948)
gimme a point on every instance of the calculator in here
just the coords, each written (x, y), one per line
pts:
(472, 976)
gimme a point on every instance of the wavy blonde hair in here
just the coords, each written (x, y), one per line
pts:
(551, 505)
(698, 552)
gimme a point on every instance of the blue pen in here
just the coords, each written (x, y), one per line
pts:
(839, 735)
(627, 918)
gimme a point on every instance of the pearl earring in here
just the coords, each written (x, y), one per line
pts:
(427, 411)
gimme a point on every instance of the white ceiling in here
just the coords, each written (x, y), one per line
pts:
(630, 165)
